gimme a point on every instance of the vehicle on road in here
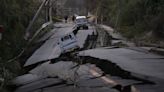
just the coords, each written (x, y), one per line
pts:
(81, 22)
(68, 43)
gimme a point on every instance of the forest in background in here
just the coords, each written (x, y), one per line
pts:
(15, 16)
(135, 19)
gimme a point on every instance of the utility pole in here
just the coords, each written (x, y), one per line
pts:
(118, 14)
(27, 35)
(48, 10)
(98, 11)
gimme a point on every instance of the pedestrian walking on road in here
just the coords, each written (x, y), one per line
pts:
(1, 31)
(73, 18)
(66, 18)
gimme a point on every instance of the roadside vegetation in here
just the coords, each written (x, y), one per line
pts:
(138, 20)
(14, 17)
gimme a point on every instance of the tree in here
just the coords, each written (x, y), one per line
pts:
(14, 16)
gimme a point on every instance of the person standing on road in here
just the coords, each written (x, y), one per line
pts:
(1, 31)
(73, 18)
(65, 18)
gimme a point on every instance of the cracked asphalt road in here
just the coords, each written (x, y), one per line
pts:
(76, 74)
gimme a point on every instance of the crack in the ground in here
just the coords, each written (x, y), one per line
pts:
(106, 66)
(114, 70)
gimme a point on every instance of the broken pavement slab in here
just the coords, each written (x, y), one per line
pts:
(78, 89)
(65, 70)
(131, 60)
(110, 31)
(83, 76)
(26, 78)
(82, 36)
(117, 38)
(39, 84)
(46, 52)
(159, 51)
(50, 49)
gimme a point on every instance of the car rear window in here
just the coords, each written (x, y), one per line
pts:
(81, 20)
(66, 38)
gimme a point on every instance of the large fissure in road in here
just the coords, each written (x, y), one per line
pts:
(106, 66)
(112, 69)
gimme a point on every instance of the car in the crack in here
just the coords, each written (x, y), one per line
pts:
(68, 43)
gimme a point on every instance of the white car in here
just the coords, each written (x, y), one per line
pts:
(68, 43)
(81, 22)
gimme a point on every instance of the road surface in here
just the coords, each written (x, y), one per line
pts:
(97, 66)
